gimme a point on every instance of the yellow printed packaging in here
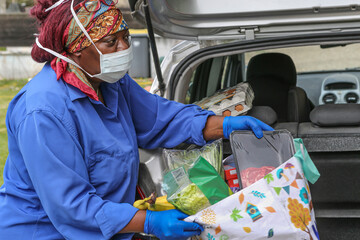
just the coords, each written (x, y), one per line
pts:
(154, 204)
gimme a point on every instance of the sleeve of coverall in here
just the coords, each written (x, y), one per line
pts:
(163, 123)
(57, 169)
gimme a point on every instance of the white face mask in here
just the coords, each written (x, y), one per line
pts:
(113, 66)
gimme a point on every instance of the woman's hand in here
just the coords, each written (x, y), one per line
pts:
(170, 225)
(244, 123)
(218, 126)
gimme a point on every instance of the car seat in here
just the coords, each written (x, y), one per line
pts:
(273, 79)
(332, 139)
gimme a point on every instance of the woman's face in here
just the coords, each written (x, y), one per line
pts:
(89, 58)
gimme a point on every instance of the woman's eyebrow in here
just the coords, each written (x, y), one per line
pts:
(108, 37)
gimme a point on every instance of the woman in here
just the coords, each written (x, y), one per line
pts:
(74, 132)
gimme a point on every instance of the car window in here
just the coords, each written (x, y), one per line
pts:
(313, 64)
(215, 74)
(319, 58)
(317, 65)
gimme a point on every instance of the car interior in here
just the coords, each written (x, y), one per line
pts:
(272, 77)
(317, 104)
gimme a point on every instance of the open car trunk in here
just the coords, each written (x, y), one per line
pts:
(240, 26)
(242, 19)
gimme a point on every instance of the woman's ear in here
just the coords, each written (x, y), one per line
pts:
(75, 56)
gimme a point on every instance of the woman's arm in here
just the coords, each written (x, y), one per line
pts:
(213, 128)
(136, 224)
(159, 122)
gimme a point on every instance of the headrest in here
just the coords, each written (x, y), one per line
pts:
(336, 115)
(272, 65)
(264, 113)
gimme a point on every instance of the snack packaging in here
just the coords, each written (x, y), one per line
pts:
(232, 101)
(195, 189)
(272, 207)
(231, 176)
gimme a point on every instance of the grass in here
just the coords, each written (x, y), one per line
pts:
(8, 89)
(144, 82)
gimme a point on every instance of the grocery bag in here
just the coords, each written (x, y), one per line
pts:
(212, 152)
(195, 189)
(273, 207)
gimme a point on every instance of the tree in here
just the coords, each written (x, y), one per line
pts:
(300, 216)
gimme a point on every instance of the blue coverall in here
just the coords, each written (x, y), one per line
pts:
(73, 162)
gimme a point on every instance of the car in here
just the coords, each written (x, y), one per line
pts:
(302, 61)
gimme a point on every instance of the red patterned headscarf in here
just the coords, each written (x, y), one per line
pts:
(100, 18)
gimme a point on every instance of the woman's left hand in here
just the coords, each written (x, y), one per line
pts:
(244, 123)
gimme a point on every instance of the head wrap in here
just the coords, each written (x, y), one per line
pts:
(99, 17)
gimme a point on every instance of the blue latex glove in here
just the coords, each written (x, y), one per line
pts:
(245, 123)
(170, 225)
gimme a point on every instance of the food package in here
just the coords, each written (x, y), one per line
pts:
(232, 101)
(230, 172)
(273, 207)
(234, 185)
(195, 189)
(154, 203)
(212, 152)
(231, 176)
(254, 158)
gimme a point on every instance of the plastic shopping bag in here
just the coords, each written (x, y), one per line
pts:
(193, 190)
(273, 207)
(212, 152)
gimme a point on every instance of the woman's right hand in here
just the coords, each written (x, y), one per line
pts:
(170, 225)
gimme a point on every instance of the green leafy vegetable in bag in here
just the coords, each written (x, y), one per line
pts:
(212, 152)
(190, 200)
(196, 189)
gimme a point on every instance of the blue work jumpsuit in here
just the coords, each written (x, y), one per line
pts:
(73, 162)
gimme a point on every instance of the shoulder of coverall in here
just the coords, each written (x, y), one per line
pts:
(42, 93)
